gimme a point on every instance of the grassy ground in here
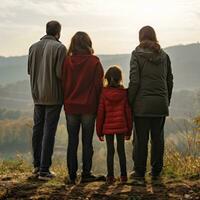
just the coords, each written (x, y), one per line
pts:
(181, 178)
(16, 183)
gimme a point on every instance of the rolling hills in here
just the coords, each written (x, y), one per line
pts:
(185, 62)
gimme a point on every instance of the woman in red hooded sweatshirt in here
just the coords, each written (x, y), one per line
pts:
(82, 84)
(114, 118)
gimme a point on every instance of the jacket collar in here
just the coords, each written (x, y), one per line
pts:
(49, 37)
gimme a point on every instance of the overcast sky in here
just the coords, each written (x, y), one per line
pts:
(112, 24)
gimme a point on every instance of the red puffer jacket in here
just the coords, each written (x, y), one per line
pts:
(114, 114)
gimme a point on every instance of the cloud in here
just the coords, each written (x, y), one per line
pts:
(113, 22)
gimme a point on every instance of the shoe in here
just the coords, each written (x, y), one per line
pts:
(36, 171)
(88, 178)
(155, 176)
(136, 175)
(69, 181)
(45, 176)
(110, 180)
(123, 179)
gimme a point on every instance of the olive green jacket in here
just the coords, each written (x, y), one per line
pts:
(151, 83)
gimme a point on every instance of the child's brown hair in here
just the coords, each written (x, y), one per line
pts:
(113, 77)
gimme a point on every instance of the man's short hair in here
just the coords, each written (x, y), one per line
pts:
(53, 28)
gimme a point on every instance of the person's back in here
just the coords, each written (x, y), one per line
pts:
(45, 69)
(45, 62)
(153, 95)
(117, 117)
(82, 84)
(149, 92)
(114, 118)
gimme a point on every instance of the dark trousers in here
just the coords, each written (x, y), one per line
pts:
(45, 124)
(87, 123)
(111, 152)
(144, 126)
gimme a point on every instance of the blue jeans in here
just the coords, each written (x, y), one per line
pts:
(87, 123)
(45, 124)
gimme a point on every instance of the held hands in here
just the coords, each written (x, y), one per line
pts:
(101, 138)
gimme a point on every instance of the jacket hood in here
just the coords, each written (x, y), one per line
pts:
(114, 94)
(77, 61)
(150, 55)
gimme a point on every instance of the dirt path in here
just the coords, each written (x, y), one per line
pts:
(18, 186)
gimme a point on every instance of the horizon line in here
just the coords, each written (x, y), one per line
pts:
(113, 54)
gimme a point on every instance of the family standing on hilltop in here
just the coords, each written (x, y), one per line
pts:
(75, 78)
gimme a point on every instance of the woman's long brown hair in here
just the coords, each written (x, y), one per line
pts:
(148, 39)
(80, 44)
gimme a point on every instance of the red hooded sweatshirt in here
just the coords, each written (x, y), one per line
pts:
(114, 114)
(82, 84)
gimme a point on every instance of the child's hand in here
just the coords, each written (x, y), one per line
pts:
(127, 137)
(101, 138)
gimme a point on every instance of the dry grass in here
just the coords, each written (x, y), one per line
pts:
(185, 162)
(181, 161)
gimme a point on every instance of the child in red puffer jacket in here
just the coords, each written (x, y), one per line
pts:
(114, 118)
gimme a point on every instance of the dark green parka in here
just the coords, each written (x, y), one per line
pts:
(151, 83)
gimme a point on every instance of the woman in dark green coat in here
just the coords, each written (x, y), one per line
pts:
(150, 90)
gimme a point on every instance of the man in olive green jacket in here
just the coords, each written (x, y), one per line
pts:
(45, 63)
(150, 90)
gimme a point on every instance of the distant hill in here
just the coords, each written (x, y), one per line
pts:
(15, 88)
(185, 61)
(13, 69)
(17, 96)
(186, 65)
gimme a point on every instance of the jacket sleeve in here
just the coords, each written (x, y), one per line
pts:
(61, 54)
(64, 71)
(99, 79)
(100, 117)
(134, 79)
(29, 61)
(169, 79)
(129, 118)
